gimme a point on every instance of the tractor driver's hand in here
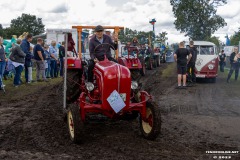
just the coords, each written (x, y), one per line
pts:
(115, 37)
(96, 60)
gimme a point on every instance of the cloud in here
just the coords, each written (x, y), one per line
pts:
(127, 8)
(13, 5)
(62, 8)
(116, 3)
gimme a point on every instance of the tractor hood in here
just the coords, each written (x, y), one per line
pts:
(112, 76)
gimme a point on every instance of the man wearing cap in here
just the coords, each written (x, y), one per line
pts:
(98, 53)
(222, 60)
(191, 65)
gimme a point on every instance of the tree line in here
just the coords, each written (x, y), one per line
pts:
(24, 23)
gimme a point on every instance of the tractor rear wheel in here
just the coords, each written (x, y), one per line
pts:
(73, 88)
(75, 124)
(149, 63)
(150, 128)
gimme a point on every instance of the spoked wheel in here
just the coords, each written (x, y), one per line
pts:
(150, 128)
(75, 124)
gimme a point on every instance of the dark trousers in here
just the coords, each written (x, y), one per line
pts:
(26, 73)
(56, 70)
(17, 77)
(53, 64)
(61, 66)
(91, 67)
(222, 64)
(191, 72)
(234, 67)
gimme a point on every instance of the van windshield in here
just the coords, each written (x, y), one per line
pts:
(205, 50)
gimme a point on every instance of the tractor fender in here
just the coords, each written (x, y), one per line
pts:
(74, 63)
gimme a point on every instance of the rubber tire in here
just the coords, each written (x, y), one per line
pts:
(73, 89)
(158, 60)
(149, 63)
(156, 125)
(135, 75)
(73, 116)
(155, 62)
(143, 70)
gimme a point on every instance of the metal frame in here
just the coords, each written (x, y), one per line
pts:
(80, 28)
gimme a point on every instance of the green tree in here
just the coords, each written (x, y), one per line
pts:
(1, 31)
(128, 34)
(26, 23)
(214, 40)
(234, 39)
(162, 37)
(197, 18)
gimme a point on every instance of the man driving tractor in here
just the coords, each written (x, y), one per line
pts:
(98, 53)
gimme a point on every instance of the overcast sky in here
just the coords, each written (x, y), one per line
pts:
(134, 14)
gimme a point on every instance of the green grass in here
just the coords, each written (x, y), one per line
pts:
(171, 68)
(25, 88)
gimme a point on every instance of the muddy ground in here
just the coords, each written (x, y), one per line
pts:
(202, 118)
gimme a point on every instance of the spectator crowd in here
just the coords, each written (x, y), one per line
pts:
(46, 59)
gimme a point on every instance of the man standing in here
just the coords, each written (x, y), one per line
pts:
(234, 64)
(40, 60)
(191, 64)
(61, 50)
(54, 60)
(180, 57)
(97, 54)
(222, 60)
(25, 46)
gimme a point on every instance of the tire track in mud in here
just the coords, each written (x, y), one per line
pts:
(12, 132)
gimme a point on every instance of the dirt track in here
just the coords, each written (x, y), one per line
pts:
(199, 119)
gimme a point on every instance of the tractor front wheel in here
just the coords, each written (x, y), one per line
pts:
(151, 126)
(135, 75)
(75, 124)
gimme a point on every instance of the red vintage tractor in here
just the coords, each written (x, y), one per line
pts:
(112, 94)
(133, 62)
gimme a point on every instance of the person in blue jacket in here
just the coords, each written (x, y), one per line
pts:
(25, 45)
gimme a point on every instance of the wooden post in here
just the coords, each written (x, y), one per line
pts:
(116, 30)
(79, 42)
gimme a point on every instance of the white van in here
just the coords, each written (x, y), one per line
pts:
(207, 60)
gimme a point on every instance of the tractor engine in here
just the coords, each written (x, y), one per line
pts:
(110, 76)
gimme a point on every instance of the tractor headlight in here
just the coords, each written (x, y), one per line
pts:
(134, 85)
(210, 66)
(89, 86)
